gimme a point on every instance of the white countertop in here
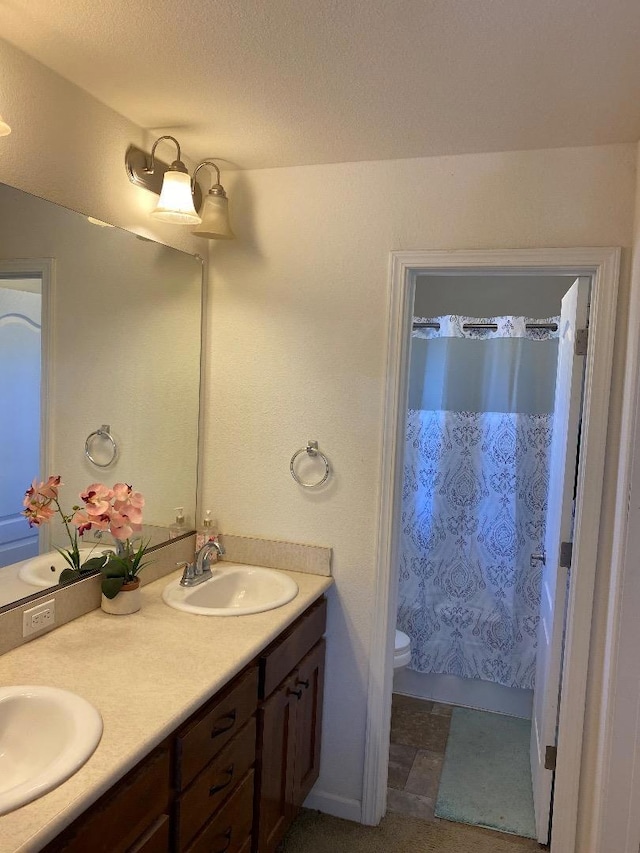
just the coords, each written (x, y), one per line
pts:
(146, 673)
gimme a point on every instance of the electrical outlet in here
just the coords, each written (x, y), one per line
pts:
(38, 618)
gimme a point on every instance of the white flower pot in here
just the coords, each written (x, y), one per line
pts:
(125, 602)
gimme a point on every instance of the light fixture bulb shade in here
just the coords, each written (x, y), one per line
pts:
(5, 130)
(176, 202)
(215, 219)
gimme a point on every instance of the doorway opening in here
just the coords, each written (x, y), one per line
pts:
(20, 366)
(25, 365)
(494, 405)
(601, 267)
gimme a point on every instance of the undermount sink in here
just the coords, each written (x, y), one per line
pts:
(46, 734)
(234, 590)
(45, 570)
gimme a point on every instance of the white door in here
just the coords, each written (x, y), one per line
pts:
(20, 358)
(559, 528)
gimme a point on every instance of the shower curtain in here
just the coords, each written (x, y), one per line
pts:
(474, 496)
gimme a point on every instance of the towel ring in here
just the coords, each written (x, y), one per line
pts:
(312, 450)
(103, 432)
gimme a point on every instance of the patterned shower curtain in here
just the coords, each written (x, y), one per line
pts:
(474, 497)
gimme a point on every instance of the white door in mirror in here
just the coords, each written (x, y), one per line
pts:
(46, 735)
(234, 590)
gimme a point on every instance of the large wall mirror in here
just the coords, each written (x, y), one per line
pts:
(98, 327)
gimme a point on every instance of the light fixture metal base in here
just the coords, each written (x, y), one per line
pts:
(137, 165)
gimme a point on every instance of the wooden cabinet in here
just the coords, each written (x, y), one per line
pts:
(289, 726)
(309, 689)
(127, 816)
(230, 779)
(202, 800)
(213, 771)
(155, 839)
(214, 725)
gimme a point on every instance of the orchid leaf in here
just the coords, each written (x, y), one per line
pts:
(115, 567)
(71, 557)
(68, 575)
(94, 564)
(111, 586)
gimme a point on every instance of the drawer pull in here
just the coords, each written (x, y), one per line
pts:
(227, 836)
(215, 788)
(221, 729)
(297, 693)
(302, 683)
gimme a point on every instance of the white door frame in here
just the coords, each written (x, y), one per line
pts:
(602, 265)
(44, 268)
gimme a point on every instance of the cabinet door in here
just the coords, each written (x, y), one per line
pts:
(309, 679)
(276, 756)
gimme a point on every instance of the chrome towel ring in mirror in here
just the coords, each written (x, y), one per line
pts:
(103, 433)
(311, 450)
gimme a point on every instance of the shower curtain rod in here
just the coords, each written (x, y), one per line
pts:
(552, 327)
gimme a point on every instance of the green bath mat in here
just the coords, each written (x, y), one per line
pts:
(486, 777)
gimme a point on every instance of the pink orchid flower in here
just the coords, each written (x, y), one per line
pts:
(38, 513)
(97, 497)
(83, 521)
(125, 494)
(42, 492)
(120, 527)
(132, 513)
(50, 488)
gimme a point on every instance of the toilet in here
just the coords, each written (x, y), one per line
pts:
(402, 653)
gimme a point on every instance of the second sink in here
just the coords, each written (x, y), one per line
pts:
(45, 570)
(234, 590)
(46, 734)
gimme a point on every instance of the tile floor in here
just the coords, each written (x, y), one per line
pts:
(419, 731)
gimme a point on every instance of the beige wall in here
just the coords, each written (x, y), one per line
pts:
(297, 351)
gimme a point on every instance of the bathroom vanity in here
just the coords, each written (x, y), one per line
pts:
(211, 741)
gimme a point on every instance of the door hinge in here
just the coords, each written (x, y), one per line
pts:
(550, 756)
(566, 554)
(582, 340)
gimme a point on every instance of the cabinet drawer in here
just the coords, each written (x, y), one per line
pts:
(155, 840)
(277, 661)
(118, 820)
(228, 831)
(214, 784)
(214, 726)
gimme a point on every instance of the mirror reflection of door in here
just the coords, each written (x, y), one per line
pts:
(20, 383)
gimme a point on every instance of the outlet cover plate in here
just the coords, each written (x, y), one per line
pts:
(39, 618)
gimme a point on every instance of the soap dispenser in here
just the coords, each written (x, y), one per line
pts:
(178, 527)
(206, 531)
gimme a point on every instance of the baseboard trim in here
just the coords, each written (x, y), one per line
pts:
(467, 692)
(334, 805)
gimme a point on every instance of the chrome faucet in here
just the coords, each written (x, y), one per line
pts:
(200, 571)
(203, 557)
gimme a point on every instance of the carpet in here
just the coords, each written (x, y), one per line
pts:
(313, 832)
(486, 777)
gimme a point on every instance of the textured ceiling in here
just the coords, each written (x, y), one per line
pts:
(288, 82)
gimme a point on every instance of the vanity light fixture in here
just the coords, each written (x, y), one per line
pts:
(5, 130)
(215, 210)
(172, 183)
